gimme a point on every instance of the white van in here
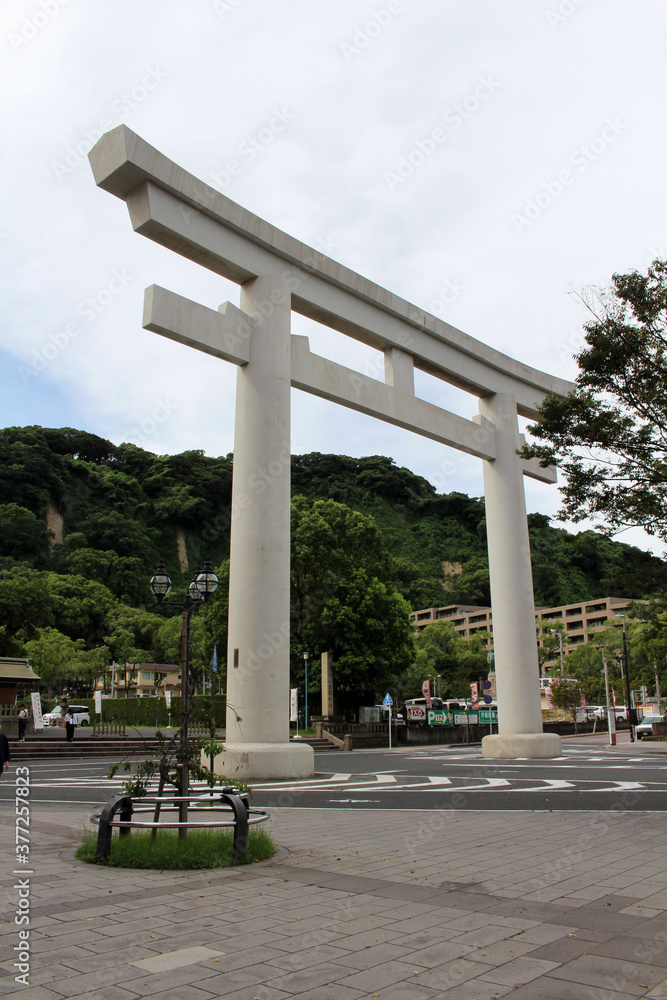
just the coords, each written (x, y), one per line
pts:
(55, 716)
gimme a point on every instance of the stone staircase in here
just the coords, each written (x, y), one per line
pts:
(42, 748)
(318, 745)
(56, 748)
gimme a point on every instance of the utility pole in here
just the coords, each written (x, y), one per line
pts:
(611, 713)
(628, 695)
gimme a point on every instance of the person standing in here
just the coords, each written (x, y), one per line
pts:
(5, 755)
(70, 725)
(23, 722)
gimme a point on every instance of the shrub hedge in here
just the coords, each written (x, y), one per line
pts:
(145, 712)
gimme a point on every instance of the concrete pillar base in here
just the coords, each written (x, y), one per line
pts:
(516, 745)
(265, 761)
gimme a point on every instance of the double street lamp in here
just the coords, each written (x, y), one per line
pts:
(203, 584)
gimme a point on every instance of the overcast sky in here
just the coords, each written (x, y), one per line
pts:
(477, 158)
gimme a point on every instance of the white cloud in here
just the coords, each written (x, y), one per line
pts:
(197, 80)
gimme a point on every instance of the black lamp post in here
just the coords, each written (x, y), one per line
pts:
(203, 584)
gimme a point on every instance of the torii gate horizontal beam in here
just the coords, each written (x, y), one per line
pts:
(175, 209)
(226, 335)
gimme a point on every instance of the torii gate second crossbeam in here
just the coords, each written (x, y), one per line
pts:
(277, 274)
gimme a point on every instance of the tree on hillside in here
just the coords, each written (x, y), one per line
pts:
(609, 436)
(24, 608)
(22, 534)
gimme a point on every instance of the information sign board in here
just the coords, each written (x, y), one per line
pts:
(37, 718)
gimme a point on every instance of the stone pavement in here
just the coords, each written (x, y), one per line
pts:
(464, 905)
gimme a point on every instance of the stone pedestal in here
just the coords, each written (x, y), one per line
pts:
(265, 761)
(522, 745)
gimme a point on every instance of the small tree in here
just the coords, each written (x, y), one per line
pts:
(550, 639)
(568, 696)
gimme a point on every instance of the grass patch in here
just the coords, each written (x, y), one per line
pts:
(202, 849)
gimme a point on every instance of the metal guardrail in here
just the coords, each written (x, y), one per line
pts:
(109, 728)
(228, 800)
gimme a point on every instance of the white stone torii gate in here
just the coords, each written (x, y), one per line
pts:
(278, 274)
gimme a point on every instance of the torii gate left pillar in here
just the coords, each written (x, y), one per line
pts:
(258, 656)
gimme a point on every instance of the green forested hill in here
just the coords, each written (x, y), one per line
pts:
(122, 509)
(83, 524)
(424, 530)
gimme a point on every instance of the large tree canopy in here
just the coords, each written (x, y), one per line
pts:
(609, 436)
(344, 600)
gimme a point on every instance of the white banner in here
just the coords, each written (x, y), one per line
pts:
(294, 705)
(167, 697)
(98, 702)
(36, 703)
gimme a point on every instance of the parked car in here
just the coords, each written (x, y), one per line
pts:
(55, 716)
(645, 728)
(621, 714)
(586, 714)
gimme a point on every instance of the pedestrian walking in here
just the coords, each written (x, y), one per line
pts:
(70, 725)
(5, 755)
(23, 722)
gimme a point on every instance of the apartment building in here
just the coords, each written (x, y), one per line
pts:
(141, 680)
(581, 621)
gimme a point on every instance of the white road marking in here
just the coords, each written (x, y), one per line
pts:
(550, 784)
(490, 783)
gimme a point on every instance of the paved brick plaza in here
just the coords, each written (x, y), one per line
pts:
(383, 904)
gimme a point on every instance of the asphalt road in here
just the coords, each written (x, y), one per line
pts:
(590, 776)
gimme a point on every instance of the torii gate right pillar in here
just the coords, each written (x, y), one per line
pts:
(515, 645)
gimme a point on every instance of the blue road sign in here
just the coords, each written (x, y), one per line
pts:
(388, 700)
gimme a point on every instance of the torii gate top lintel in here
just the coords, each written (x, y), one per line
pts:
(163, 199)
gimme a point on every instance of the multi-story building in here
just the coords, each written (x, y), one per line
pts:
(141, 679)
(581, 621)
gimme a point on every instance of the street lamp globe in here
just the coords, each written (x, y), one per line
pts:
(206, 582)
(160, 583)
(194, 593)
